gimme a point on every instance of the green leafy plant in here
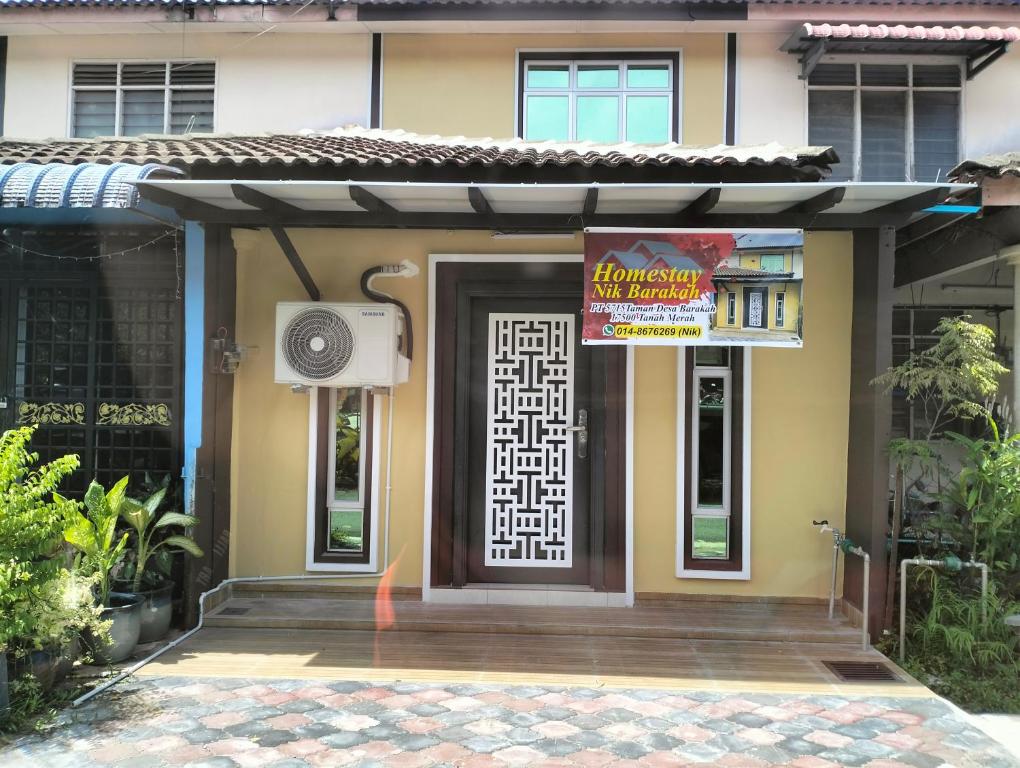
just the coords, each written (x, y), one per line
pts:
(965, 628)
(67, 609)
(147, 522)
(952, 379)
(983, 501)
(31, 533)
(94, 535)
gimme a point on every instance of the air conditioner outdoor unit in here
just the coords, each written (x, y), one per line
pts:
(338, 345)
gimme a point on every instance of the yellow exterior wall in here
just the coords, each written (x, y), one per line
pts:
(799, 416)
(800, 402)
(464, 85)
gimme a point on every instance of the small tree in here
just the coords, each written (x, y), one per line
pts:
(953, 379)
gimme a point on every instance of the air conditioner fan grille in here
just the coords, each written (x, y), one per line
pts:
(318, 344)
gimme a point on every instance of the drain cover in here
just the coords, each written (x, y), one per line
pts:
(861, 672)
(231, 610)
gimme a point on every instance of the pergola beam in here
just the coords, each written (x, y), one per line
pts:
(820, 202)
(370, 202)
(259, 199)
(479, 202)
(283, 240)
(913, 204)
(186, 207)
(703, 203)
(555, 222)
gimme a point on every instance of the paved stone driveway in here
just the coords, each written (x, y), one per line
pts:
(293, 724)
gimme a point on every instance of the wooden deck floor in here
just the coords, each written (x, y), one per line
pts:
(689, 620)
(591, 661)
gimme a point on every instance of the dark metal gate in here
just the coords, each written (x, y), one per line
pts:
(91, 351)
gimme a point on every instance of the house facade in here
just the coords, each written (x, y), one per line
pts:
(481, 241)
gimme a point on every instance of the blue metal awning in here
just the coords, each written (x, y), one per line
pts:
(33, 194)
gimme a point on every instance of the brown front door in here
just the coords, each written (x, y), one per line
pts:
(528, 517)
(517, 497)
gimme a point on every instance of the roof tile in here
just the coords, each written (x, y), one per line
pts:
(355, 146)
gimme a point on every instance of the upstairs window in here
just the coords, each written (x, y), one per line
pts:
(887, 122)
(132, 98)
(607, 100)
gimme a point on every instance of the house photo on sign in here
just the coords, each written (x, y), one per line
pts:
(694, 287)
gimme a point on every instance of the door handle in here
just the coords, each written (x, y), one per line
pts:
(581, 430)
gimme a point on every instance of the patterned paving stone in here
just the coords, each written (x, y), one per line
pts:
(164, 722)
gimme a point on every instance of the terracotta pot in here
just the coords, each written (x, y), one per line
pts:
(157, 610)
(126, 613)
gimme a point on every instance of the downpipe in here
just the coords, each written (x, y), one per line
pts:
(265, 579)
(951, 564)
(840, 543)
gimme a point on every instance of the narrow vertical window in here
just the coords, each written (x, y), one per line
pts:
(712, 475)
(347, 509)
(711, 462)
(731, 308)
(780, 309)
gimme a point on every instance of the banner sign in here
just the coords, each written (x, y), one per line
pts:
(687, 287)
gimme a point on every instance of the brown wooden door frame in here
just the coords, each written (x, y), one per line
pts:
(457, 283)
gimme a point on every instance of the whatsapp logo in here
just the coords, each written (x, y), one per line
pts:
(608, 330)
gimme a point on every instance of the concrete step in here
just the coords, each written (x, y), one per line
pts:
(688, 620)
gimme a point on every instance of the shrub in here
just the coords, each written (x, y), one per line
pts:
(31, 534)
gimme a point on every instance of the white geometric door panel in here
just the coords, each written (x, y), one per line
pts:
(755, 309)
(529, 467)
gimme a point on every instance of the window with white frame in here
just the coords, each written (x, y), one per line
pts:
(772, 262)
(731, 308)
(348, 472)
(599, 97)
(132, 98)
(780, 308)
(889, 121)
(710, 456)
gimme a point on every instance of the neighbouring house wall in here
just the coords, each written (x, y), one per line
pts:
(799, 408)
(276, 82)
(465, 85)
(989, 108)
(772, 101)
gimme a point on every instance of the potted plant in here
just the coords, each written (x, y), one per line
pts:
(31, 539)
(94, 536)
(151, 546)
(65, 611)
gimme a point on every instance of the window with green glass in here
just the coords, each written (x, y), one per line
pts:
(602, 101)
(773, 262)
